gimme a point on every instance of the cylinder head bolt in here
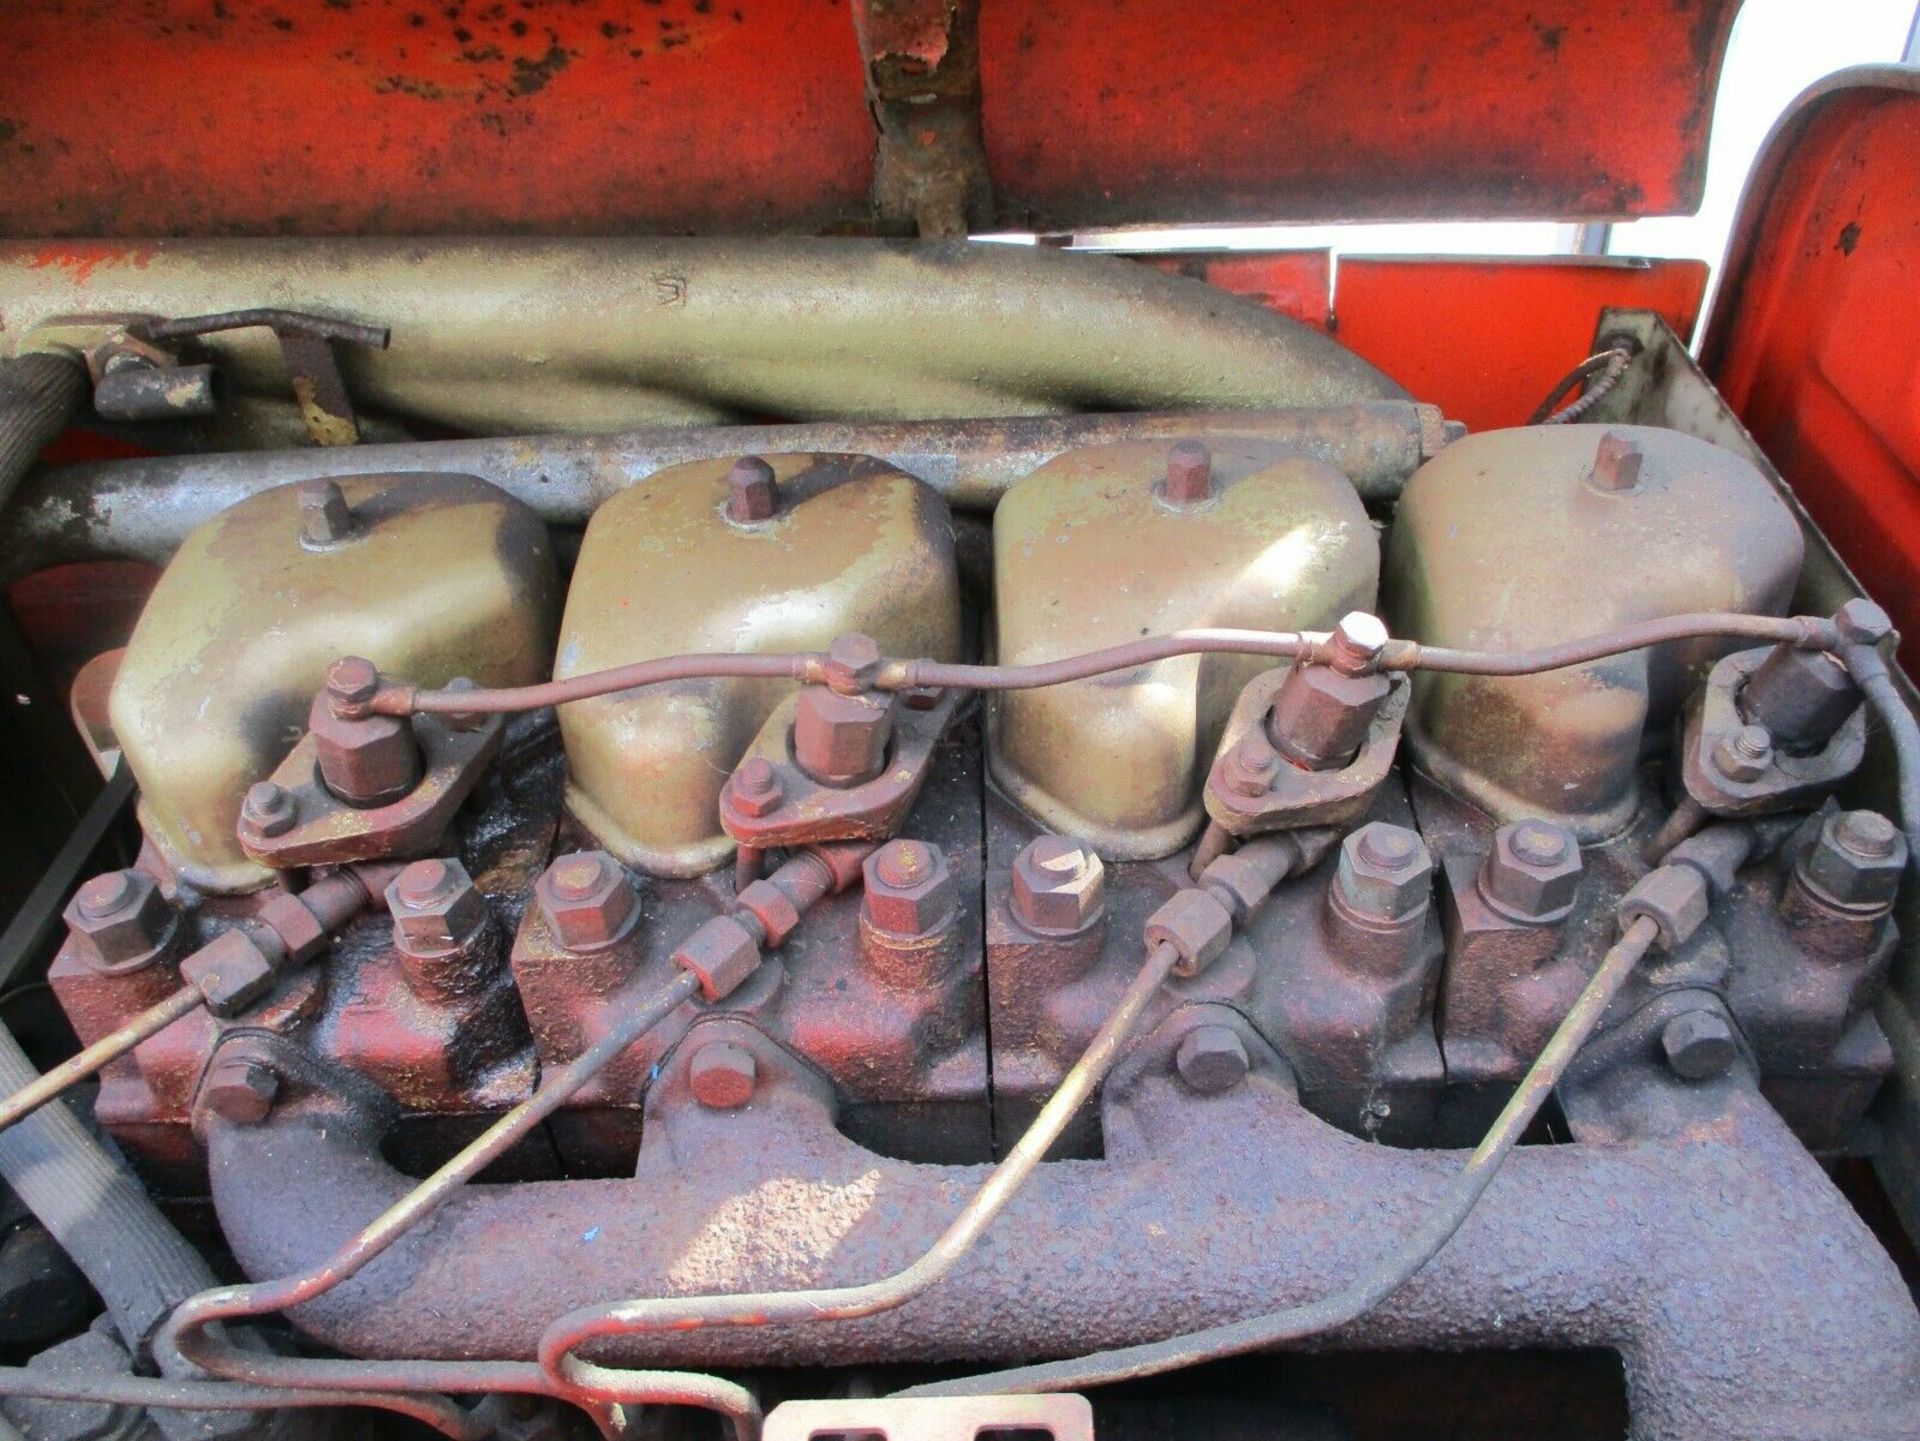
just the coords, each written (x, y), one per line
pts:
(441, 923)
(119, 921)
(1321, 713)
(1855, 863)
(1532, 874)
(909, 889)
(1617, 464)
(587, 901)
(1384, 875)
(1059, 887)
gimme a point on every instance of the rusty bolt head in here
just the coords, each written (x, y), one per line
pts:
(722, 1075)
(325, 517)
(352, 681)
(753, 495)
(436, 908)
(853, 660)
(1862, 622)
(364, 759)
(1617, 463)
(1321, 717)
(241, 1091)
(1189, 473)
(909, 889)
(1212, 1059)
(269, 809)
(1744, 753)
(840, 739)
(1856, 861)
(587, 900)
(1384, 872)
(1533, 871)
(1356, 644)
(1059, 886)
(120, 919)
(1698, 1045)
(756, 787)
(1251, 767)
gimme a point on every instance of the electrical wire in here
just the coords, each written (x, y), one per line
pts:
(1601, 371)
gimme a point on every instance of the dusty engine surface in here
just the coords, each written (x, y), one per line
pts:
(794, 850)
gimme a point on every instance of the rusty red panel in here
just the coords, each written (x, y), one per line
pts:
(483, 116)
(1815, 340)
(1298, 283)
(1487, 339)
(1177, 110)
(409, 116)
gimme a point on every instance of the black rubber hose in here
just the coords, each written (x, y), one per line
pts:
(99, 1213)
(39, 395)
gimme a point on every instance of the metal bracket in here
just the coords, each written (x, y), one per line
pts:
(921, 60)
(326, 830)
(811, 812)
(306, 341)
(931, 1418)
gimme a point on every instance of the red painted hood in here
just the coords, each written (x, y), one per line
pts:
(193, 117)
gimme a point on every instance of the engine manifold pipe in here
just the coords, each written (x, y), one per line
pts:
(807, 878)
(810, 667)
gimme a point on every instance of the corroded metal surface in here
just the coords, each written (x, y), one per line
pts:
(443, 577)
(1089, 551)
(1630, 1245)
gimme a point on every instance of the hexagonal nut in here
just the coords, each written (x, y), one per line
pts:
(1212, 1059)
(366, 761)
(1801, 697)
(1196, 925)
(119, 921)
(231, 972)
(1320, 717)
(1698, 1044)
(298, 928)
(1532, 874)
(853, 660)
(773, 908)
(909, 889)
(588, 900)
(1059, 886)
(1384, 873)
(722, 953)
(435, 907)
(1856, 861)
(1862, 622)
(1673, 897)
(240, 1090)
(841, 740)
(722, 1075)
